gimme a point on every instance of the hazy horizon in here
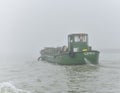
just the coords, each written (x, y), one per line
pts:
(30, 25)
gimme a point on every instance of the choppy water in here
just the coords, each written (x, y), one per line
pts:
(43, 77)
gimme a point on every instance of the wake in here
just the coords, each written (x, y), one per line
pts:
(88, 62)
(7, 87)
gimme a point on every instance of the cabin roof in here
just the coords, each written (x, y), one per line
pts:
(77, 34)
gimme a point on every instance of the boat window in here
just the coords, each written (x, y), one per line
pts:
(77, 39)
(71, 40)
(81, 39)
(84, 39)
(75, 49)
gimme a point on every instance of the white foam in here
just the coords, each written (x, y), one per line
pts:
(7, 87)
(88, 62)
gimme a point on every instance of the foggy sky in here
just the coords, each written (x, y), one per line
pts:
(26, 26)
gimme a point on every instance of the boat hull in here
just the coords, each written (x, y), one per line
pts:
(77, 58)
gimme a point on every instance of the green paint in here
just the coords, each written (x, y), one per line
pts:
(78, 52)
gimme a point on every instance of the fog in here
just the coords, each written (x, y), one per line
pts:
(26, 26)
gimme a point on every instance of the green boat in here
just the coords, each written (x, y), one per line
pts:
(78, 52)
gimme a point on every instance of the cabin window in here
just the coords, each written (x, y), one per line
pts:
(81, 39)
(84, 39)
(75, 49)
(71, 41)
(77, 39)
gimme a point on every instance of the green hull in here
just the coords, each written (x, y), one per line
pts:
(76, 58)
(78, 52)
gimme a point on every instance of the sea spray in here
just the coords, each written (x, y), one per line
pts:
(88, 62)
(7, 87)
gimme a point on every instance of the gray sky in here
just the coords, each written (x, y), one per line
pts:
(26, 26)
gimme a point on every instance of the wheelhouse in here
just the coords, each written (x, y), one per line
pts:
(77, 42)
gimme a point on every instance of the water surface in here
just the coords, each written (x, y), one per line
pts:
(42, 77)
